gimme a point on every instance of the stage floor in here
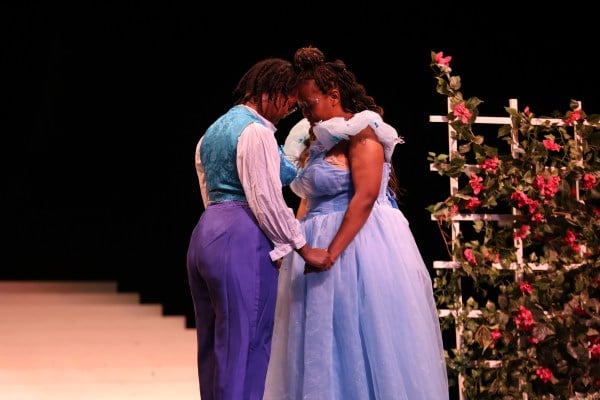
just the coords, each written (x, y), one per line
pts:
(87, 341)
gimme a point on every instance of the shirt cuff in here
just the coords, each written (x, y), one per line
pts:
(283, 249)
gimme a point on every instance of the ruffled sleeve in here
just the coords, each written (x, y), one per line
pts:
(330, 132)
(295, 142)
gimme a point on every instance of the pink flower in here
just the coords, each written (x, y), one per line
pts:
(589, 181)
(595, 352)
(544, 374)
(532, 205)
(525, 288)
(573, 116)
(526, 111)
(571, 240)
(552, 186)
(490, 165)
(442, 62)
(470, 257)
(472, 203)
(548, 187)
(524, 320)
(522, 232)
(496, 334)
(453, 210)
(520, 198)
(539, 182)
(550, 145)
(462, 112)
(475, 183)
(570, 237)
(537, 218)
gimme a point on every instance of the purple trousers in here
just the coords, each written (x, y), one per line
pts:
(233, 283)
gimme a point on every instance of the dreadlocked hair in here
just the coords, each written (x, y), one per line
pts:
(271, 77)
(310, 63)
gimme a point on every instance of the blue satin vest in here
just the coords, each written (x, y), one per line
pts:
(218, 154)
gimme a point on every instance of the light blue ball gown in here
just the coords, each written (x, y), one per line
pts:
(368, 328)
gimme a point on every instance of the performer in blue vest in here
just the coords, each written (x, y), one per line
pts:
(245, 229)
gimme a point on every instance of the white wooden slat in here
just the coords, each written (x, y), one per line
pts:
(512, 267)
(504, 218)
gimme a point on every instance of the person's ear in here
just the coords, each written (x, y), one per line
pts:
(334, 97)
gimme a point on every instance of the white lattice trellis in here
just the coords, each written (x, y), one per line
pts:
(517, 266)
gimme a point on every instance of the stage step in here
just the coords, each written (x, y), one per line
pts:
(73, 340)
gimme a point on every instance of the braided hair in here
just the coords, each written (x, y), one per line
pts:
(310, 64)
(271, 76)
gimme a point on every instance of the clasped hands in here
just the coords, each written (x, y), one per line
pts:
(317, 259)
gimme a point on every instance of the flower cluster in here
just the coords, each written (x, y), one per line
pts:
(525, 292)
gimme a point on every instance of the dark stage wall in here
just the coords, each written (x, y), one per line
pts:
(106, 102)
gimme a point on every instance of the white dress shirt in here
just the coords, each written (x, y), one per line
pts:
(258, 169)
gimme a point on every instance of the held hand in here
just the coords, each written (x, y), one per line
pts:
(317, 260)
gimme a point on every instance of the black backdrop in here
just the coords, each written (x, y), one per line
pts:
(106, 101)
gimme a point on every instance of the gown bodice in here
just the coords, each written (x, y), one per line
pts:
(328, 188)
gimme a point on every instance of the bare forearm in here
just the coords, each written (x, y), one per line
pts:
(357, 214)
(301, 212)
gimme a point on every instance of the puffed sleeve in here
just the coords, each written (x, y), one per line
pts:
(330, 132)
